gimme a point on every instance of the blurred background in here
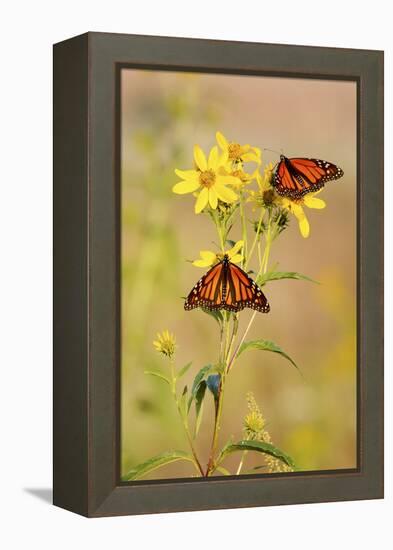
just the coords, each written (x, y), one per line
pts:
(311, 418)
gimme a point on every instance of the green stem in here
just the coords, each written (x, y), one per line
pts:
(262, 268)
(259, 253)
(219, 404)
(222, 348)
(227, 318)
(184, 419)
(220, 399)
(239, 469)
(267, 250)
(256, 238)
(235, 326)
(219, 231)
(244, 230)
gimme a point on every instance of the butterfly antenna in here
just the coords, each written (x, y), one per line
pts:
(272, 151)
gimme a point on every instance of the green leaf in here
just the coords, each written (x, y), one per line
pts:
(217, 315)
(265, 345)
(183, 371)
(213, 382)
(199, 377)
(258, 446)
(231, 243)
(277, 275)
(156, 462)
(183, 402)
(199, 396)
(158, 375)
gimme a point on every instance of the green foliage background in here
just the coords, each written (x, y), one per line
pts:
(312, 418)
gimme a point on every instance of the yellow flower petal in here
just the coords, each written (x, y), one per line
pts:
(200, 159)
(297, 210)
(201, 263)
(312, 202)
(213, 199)
(187, 174)
(250, 157)
(262, 181)
(222, 141)
(285, 203)
(184, 187)
(235, 249)
(208, 255)
(225, 194)
(223, 160)
(227, 180)
(236, 259)
(212, 163)
(304, 227)
(202, 200)
(207, 259)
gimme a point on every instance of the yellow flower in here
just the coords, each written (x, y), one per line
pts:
(265, 195)
(165, 343)
(209, 258)
(296, 208)
(238, 153)
(265, 182)
(209, 178)
(243, 178)
(253, 422)
(254, 429)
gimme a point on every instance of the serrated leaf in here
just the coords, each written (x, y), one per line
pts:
(158, 375)
(266, 345)
(258, 446)
(156, 462)
(277, 275)
(215, 314)
(199, 396)
(183, 370)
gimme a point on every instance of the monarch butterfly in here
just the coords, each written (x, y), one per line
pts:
(298, 176)
(226, 286)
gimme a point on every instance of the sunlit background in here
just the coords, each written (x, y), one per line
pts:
(164, 114)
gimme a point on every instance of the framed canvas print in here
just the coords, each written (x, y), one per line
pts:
(218, 260)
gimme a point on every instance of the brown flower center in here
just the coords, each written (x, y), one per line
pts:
(268, 197)
(207, 178)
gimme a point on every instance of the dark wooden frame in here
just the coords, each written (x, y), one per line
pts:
(86, 274)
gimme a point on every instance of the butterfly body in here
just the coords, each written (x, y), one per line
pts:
(296, 177)
(226, 286)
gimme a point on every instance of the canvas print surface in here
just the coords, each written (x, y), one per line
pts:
(238, 275)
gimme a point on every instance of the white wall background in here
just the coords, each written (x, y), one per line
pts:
(28, 30)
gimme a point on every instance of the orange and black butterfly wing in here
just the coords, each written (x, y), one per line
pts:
(226, 286)
(208, 291)
(296, 177)
(242, 291)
